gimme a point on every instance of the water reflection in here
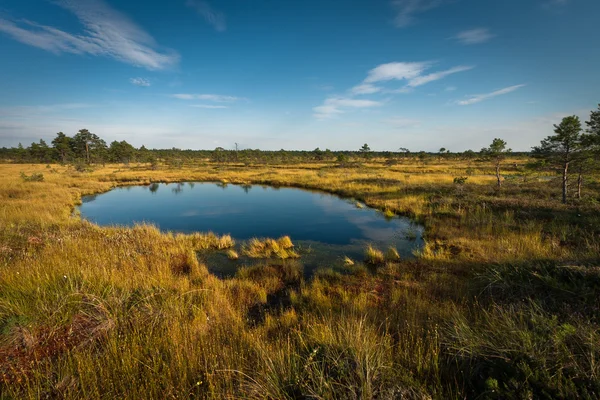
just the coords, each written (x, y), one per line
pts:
(246, 188)
(178, 188)
(325, 227)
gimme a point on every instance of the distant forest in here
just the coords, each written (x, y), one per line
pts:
(88, 148)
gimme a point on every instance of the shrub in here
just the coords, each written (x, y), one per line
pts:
(80, 166)
(36, 177)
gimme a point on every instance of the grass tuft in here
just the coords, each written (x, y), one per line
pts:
(232, 254)
(374, 256)
(270, 248)
(392, 254)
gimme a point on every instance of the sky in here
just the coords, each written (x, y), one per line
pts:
(195, 74)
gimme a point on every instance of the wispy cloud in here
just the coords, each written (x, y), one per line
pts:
(396, 71)
(213, 17)
(209, 106)
(140, 82)
(424, 79)
(107, 33)
(482, 97)
(411, 72)
(474, 36)
(217, 98)
(365, 88)
(339, 105)
(407, 9)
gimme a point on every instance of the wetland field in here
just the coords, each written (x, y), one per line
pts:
(476, 292)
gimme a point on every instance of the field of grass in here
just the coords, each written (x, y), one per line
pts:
(502, 302)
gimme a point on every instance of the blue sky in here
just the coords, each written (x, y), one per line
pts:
(421, 74)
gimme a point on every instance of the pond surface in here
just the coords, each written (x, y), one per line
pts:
(325, 228)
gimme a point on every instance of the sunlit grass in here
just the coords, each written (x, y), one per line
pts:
(374, 256)
(281, 248)
(501, 300)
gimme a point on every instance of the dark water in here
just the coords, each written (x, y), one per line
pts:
(324, 227)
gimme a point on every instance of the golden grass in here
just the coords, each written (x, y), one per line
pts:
(268, 248)
(95, 312)
(232, 254)
(392, 254)
(374, 256)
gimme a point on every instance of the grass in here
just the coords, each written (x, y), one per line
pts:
(374, 256)
(232, 254)
(392, 254)
(281, 248)
(500, 303)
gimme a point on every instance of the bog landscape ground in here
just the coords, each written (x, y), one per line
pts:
(501, 302)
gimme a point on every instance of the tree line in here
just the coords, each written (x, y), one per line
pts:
(572, 148)
(87, 147)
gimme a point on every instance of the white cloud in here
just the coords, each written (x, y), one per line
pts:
(217, 98)
(107, 33)
(396, 71)
(140, 82)
(366, 88)
(474, 36)
(450, 88)
(407, 9)
(424, 79)
(481, 97)
(411, 72)
(213, 17)
(209, 106)
(337, 105)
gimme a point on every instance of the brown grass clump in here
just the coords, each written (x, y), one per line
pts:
(232, 254)
(392, 254)
(285, 242)
(374, 256)
(270, 248)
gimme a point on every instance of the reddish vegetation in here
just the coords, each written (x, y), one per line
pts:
(28, 351)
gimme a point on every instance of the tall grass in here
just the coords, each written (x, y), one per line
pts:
(501, 302)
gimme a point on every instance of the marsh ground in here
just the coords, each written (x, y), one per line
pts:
(502, 302)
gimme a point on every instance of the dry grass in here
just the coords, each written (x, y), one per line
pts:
(374, 256)
(268, 248)
(487, 308)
